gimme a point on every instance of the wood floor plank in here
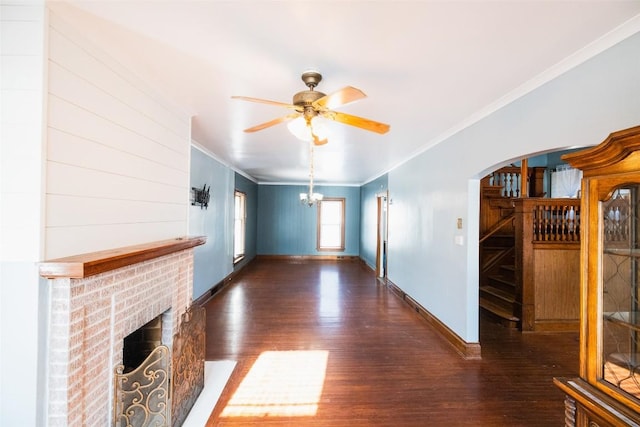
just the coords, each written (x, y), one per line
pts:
(386, 366)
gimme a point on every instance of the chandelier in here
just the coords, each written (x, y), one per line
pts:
(310, 198)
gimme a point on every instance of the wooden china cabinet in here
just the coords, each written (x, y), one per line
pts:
(607, 393)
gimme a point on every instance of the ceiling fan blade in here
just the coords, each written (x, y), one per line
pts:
(266, 101)
(341, 97)
(273, 122)
(356, 121)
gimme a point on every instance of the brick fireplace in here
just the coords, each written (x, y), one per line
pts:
(97, 300)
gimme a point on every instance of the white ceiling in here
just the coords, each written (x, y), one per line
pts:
(429, 68)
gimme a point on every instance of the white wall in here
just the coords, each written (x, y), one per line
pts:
(428, 193)
(22, 308)
(118, 154)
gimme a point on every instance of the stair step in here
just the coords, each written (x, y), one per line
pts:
(509, 268)
(492, 190)
(493, 249)
(500, 238)
(502, 242)
(499, 293)
(499, 242)
(503, 281)
(497, 310)
(502, 300)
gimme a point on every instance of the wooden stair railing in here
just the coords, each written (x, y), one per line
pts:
(490, 260)
(516, 182)
(504, 256)
(556, 220)
(509, 180)
(497, 227)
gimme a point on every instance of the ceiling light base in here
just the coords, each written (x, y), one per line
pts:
(306, 98)
(311, 78)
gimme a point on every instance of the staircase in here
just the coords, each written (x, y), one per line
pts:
(507, 288)
(498, 293)
(498, 300)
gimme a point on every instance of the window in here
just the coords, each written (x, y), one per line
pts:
(239, 225)
(331, 224)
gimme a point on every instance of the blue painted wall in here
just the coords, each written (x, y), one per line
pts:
(369, 219)
(213, 261)
(285, 227)
(250, 188)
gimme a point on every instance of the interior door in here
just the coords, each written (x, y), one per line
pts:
(381, 252)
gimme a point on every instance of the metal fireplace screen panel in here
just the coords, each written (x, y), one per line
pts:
(188, 363)
(142, 396)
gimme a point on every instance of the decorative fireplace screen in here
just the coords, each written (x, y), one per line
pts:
(188, 363)
(142, 396)
(162, 390)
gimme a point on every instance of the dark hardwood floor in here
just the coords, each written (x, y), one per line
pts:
(385, 365)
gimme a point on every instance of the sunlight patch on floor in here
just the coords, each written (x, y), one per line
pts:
(281, 383)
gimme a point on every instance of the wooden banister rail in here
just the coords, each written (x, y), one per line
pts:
(518, 182)
(496, 227)
(545, 220)
(509, 179)
(556, 220)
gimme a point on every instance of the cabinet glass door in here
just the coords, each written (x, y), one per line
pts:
(620, 290)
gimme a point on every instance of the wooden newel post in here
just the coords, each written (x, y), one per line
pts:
(524, 178)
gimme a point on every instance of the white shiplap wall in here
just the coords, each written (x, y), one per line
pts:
(117, 153)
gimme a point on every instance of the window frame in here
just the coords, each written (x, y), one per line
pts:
(237, 257)
(340, 248)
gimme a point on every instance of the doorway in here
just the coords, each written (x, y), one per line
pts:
(381, 250)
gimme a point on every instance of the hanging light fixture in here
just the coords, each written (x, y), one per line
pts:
(310, 198)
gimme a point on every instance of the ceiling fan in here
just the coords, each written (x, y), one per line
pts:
(310, 104)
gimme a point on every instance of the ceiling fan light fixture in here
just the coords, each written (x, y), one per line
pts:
(311, 106)
(305, 132)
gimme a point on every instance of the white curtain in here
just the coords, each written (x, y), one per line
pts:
(565, 182)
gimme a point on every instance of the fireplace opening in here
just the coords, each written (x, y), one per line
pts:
(139, 344)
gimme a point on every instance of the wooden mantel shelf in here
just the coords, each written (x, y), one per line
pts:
(85, 265)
